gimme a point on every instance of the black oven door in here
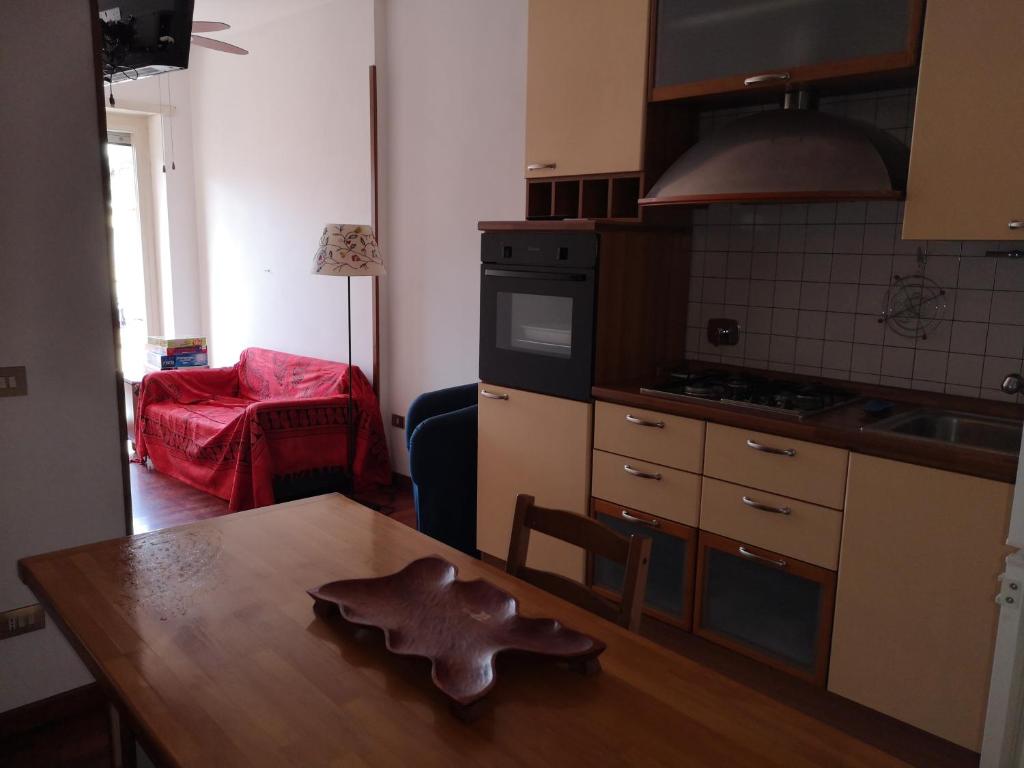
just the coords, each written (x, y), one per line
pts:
(537, 329)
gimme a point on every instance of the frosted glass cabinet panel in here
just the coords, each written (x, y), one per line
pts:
(708, 46)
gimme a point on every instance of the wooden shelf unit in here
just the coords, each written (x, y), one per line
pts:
(611, 196)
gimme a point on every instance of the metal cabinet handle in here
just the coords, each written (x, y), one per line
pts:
(641, 473)
(494, 395)
(1016, 224)
(541, 166)
(752, 556)
(770, 449)
(643, 422)
(635, 519)
(768, 77)
(753, 503)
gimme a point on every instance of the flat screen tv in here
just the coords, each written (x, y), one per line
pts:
(144, 37)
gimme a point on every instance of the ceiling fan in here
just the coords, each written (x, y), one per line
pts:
(209, 42)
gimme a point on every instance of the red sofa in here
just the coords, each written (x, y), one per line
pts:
(232, 432)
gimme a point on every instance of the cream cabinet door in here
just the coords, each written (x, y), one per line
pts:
(585, 86)
(533, 444)
(915, 620)
(966, 179)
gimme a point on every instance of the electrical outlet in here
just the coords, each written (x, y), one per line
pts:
(13, 382)
(21, 620)
(397, 421)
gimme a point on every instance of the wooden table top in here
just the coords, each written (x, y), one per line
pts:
(206, 639)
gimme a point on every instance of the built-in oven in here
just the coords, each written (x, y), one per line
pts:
(537, 298)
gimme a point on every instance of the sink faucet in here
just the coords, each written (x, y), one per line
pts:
(1013, 383)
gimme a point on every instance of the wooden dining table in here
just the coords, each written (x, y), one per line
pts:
(206, 643)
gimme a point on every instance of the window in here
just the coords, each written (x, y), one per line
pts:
(132, 219)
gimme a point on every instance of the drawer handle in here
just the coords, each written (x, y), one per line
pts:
(541, 166)
(768, 77)
(494, 395)
(640, 473)
(1016, 224)
(770, 449)
(754, 556)
(643, 422)
(635, 519)
(765, 507)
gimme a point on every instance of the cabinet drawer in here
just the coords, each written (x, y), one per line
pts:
(657, 490)
(672, 441)
(807, 471)
(792, 528)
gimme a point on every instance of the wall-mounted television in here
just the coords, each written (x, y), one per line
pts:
(144, 37)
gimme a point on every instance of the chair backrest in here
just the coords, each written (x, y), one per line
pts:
(633, 552)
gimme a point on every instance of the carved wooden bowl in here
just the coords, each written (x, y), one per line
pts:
(461, 626)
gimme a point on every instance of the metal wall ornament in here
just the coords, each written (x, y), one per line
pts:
(915, 305)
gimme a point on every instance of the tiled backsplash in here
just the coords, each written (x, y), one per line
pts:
(808, 283)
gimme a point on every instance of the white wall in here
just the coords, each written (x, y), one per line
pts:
(281, 140)
(60, 454)
(453, 91)
(174, 195)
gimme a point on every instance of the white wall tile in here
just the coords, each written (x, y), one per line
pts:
(977, 272)
(866, 358)
(1007, 307)
(849, 238)
(897, 362)
(842, 297)
(811, 324)
(784, 322)
(837, 355)
(808, 352)
(972, 305)
(964, 370)
(1009, 274)
(759, 320)
(846, 268)
(789, 266)
(787, 294)
(1005, 341)
(814, 296)
(839, 326)
(930, 366)
(968, 337)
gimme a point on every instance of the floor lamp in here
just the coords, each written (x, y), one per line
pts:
(349, 250)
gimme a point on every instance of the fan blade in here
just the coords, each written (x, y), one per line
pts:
(209, 26)
(218, 45)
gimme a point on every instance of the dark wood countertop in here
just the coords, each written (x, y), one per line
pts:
(840, 427)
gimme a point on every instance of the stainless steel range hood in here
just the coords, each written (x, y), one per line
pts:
(793, 154)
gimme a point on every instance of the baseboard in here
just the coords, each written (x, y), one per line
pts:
(62, 706)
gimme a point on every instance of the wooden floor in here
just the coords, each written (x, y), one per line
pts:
(159, 502)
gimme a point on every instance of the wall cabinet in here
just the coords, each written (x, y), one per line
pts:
(535, 444)
(585, 87)
(707, 46)
(915, 613)
(966, 157)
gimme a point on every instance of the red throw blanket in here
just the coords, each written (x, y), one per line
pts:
(231, 431)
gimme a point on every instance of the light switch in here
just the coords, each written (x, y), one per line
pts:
(13, 381)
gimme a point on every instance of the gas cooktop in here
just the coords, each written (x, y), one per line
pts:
(787, 398)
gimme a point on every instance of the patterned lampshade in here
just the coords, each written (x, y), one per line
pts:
(348, 250)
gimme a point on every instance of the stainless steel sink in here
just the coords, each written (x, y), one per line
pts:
(986, 432)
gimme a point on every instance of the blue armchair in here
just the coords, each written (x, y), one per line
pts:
(441, 437)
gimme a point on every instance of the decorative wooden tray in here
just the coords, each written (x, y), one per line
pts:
(461, 626)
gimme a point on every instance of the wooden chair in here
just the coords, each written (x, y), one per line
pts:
(633, 552)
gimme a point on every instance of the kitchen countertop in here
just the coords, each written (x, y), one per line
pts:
(840, 427)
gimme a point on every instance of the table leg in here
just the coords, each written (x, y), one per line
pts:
(122, 743)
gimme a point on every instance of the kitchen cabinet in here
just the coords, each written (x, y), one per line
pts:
(673, 441)
(707, 46)
(662, 491)
(535, 444)
(790, 527)
(762, 604)
(669, 593)
(915, 613)
(585, 88)
(794, 468)
(966, 157)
